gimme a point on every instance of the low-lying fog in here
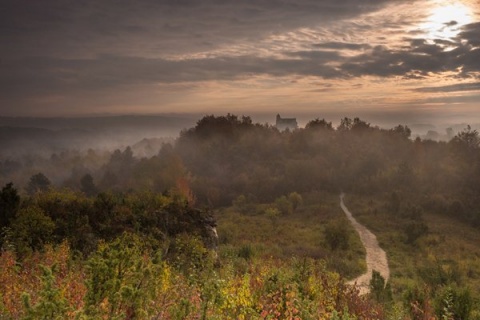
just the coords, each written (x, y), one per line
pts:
(144, 133)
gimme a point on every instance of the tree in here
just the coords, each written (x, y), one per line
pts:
(345, 124)
(9, 203)
(468, 139)
(360, 125)
(38, 183)
(31, 229)
(403, 131)
(466, 145)
(319, 124)
(87, 185)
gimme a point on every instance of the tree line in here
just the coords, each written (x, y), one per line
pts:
(223, 157)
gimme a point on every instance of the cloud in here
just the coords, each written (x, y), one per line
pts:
(318, 56)
(54, 48)
(51, 75)
(342, 45)
(157, 27)
(451, 88)
(420, 59)
(471, 33)
(471, 99)
(44, 75)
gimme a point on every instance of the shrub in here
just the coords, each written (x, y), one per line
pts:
(337, 235)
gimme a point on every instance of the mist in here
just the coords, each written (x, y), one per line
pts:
(66, 149)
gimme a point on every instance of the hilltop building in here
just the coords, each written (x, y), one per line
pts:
(283, 124)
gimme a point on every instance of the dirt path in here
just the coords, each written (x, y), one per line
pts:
(376, 258)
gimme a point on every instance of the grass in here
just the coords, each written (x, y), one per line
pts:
(299, 234)
(450, 245)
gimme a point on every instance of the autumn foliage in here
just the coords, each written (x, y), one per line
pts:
(126, 279)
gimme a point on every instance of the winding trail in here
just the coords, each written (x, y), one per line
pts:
(376, 258)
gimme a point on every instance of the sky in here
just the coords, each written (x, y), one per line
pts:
(404, 60)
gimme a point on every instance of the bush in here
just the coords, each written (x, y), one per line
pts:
(51, 305)
(246, 252)
(453, 303)
(31, 229)
(380, 290)
(414, 230)
(121, 279)
(337, 235)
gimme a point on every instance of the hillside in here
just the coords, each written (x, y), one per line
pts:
(282, 246)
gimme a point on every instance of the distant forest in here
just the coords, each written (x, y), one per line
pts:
(223, 157)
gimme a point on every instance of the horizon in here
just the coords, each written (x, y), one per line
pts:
(132, 128)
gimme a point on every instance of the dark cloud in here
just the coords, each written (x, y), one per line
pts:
(420, 59)
(60, 28)
(471, 33)
(52, 75)
(43, 75)
(451, 23)
(342, 45)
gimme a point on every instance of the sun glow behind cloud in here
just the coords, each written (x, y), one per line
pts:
(445, 20)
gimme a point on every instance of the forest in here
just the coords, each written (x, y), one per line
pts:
(238, 220)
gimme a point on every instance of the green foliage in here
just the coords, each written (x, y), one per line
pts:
(437, 274)
(453, 303)
(51, 305)
(240, 203)
(337, 235)
(415, 230)
(295, 199)
(416, 301)
(380, 290)
(125, 279)
(9, 204)
(246, 252)
(190, 255)
(273, 214)
(343, 316)
(31, 229)
(445, 257)
(70, 213)
(284, 205)
(118, 277)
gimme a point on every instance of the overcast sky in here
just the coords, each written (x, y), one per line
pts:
(394, 58)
